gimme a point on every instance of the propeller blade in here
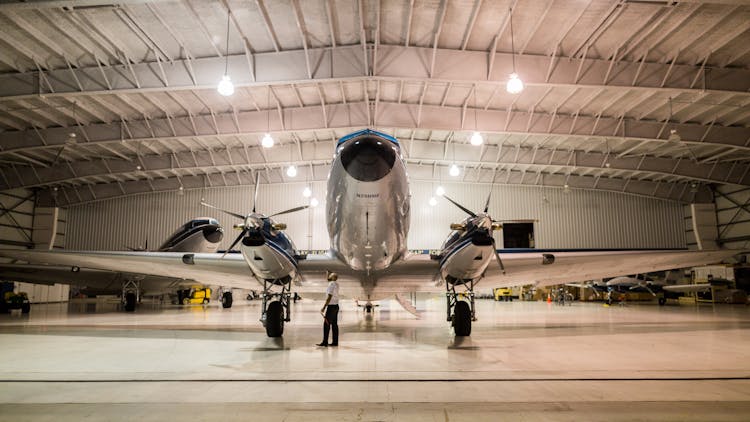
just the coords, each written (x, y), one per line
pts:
(497, 256)
(290, 210)
(487, 204)
(463, 208)
(242, 234)
(234, 214)
(255, 195)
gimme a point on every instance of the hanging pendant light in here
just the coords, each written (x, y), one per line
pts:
(433, 201)
(267, 141)
(306, 192)
(476, 139)
(226, 87)
(454, 171)
(291, 171)
(440, 191)
(515, 84)
(314, 202)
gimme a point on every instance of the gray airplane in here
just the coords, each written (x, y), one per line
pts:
(201, 235)
(368, 204)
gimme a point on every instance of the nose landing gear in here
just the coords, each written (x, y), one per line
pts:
(461, 312)
(276, 308)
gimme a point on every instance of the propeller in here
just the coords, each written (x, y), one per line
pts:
(463, 208)
(492, 226)
(253, 220)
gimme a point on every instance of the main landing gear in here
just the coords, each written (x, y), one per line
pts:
(131, 294)
(460, 312)
(226, 300)
(276, 309)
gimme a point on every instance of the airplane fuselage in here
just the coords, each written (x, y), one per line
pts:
(368, 202)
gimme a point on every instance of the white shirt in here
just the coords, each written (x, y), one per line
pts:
(333, 290)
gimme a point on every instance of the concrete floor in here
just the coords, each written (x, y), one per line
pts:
(529, 361)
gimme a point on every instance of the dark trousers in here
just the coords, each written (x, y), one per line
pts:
(331, 322)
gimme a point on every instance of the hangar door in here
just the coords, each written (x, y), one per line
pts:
(518, 235)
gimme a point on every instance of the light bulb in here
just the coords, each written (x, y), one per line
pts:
(314, 202)
(267, 141)
(476, 139)
(306, 192)
(225, 87)
(454, 171)
(440, 191)
(291, 171)
(433, 201)
(514, 85)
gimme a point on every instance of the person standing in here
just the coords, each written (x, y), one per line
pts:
(330, 312)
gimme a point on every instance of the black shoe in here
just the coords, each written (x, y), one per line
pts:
(334, 345)
(322, 344)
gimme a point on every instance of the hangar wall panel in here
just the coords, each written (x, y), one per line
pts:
(129, 222)
(578, 219)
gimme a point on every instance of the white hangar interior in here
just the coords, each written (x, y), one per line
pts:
(631, 130)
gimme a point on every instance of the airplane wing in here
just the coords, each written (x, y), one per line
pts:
(101, 269)
(205, 268)
(687, 288)
(91, 279)
(576, 266)
(418, 272)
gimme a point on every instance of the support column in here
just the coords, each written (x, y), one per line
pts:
(44, 229)
(704, 226)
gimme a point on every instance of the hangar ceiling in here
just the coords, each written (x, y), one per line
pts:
(101, 99)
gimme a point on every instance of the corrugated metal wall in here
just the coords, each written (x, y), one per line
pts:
(129, 222)
(577, 219)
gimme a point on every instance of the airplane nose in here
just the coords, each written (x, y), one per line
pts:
(368, 159)
(213, 234)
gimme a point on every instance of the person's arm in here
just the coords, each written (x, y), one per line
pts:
(328, 299)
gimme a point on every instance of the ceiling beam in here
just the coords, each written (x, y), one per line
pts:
(344, 62)
(390, 115)
(536, 158)
(238, 175)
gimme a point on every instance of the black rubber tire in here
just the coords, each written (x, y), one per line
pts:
(226, 300)
(130, 302)
(462, 319)
(662, 301)
(205, 301)
(275, 319)
(179, 297)
(25, 308)
(185, 300)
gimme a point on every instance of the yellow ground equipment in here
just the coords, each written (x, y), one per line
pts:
(194, 296)
(503, 294)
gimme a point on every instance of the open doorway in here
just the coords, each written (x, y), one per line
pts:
(518, 235)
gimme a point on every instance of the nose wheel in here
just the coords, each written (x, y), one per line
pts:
(276, 309)
(461, 312)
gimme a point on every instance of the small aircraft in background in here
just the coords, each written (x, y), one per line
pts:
(199, 235)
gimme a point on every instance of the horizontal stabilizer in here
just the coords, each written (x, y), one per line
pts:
(407, 305)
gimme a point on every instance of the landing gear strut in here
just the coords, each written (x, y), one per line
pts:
(275, 308)
(131, 294)
(460, 312)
